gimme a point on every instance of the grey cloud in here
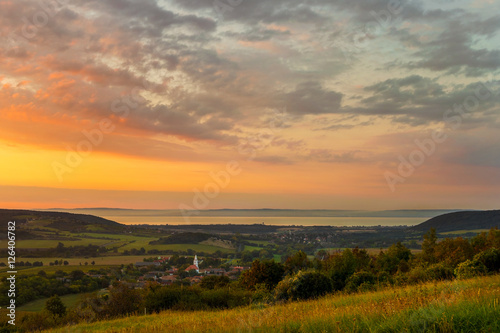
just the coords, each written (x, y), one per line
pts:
(455, 49)
(272, 159)
(342, 126)
(416, 100)
(311, 98)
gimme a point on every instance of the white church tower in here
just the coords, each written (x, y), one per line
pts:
(195, 262)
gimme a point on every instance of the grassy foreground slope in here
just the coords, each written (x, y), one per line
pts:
(457, 306)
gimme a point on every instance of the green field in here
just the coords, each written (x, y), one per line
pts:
(47, 243)
(122, 241)
(195, 247)
(52, 269)
(457, 306)
(38, 305)
(252, 248)
(111, 260)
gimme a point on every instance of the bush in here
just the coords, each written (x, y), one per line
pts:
(267, 272)
(304, 285)
(282, 290)
(469, 269)
(361, 281)
(418, 274)
(490, 258)
(225, 299)
(214, 282)
(439, 272)
(55, 306)
(384, 278)
(162, 298)
(38, 321)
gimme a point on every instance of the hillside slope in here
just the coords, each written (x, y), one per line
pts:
(57, 220)
(468, 220)
(457, 306)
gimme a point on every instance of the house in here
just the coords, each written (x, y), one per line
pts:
(215, 271)
(192, 267)
(168, 279)
(195, 279)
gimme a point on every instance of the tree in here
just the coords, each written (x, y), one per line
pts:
(360, 281)
(429, 245)
(340, 267)
(55, 306)
(214, 282)
(469, 269)
(396, 258)
(267, 272)
(60, 248)
(296, 263)
(453, 251)
(490, 258)
(76, 275)
(303, 285)
(123, 300)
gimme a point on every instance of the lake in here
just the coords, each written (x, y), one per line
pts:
(269, 220)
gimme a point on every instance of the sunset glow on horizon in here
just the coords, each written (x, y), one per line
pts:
(269, 104)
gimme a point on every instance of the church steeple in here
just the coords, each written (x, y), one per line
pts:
(195, 262)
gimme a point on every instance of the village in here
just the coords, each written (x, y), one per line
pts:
(190, 275)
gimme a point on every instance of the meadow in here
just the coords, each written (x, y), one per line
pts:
(457, 306)
(38, 305)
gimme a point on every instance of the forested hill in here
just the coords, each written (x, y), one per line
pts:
(468, 220)
(57, 220)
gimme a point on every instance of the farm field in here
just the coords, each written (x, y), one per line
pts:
(51, 269)
(458, 306)
(38, 305)
(99, 261)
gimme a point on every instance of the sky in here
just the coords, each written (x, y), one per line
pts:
(201, 104)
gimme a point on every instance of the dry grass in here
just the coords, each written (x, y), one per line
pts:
(469, 306)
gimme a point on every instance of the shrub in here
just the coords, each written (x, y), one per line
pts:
(439, 271)
(162, 298)
(283, 289)
(55, 306)
(304, 285)
(384, 278)
(470, 268)
(418, 274)
(214, 282)
(38, 321)
(490, 258)
(361, 281)
(267, 272)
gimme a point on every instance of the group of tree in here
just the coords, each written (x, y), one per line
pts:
(357, 270)
(61, 250)
(42, 285)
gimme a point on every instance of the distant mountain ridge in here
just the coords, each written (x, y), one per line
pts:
(465, 220)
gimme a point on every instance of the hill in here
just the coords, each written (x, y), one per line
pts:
(466, 220)
(458, 306)
(57, 220)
